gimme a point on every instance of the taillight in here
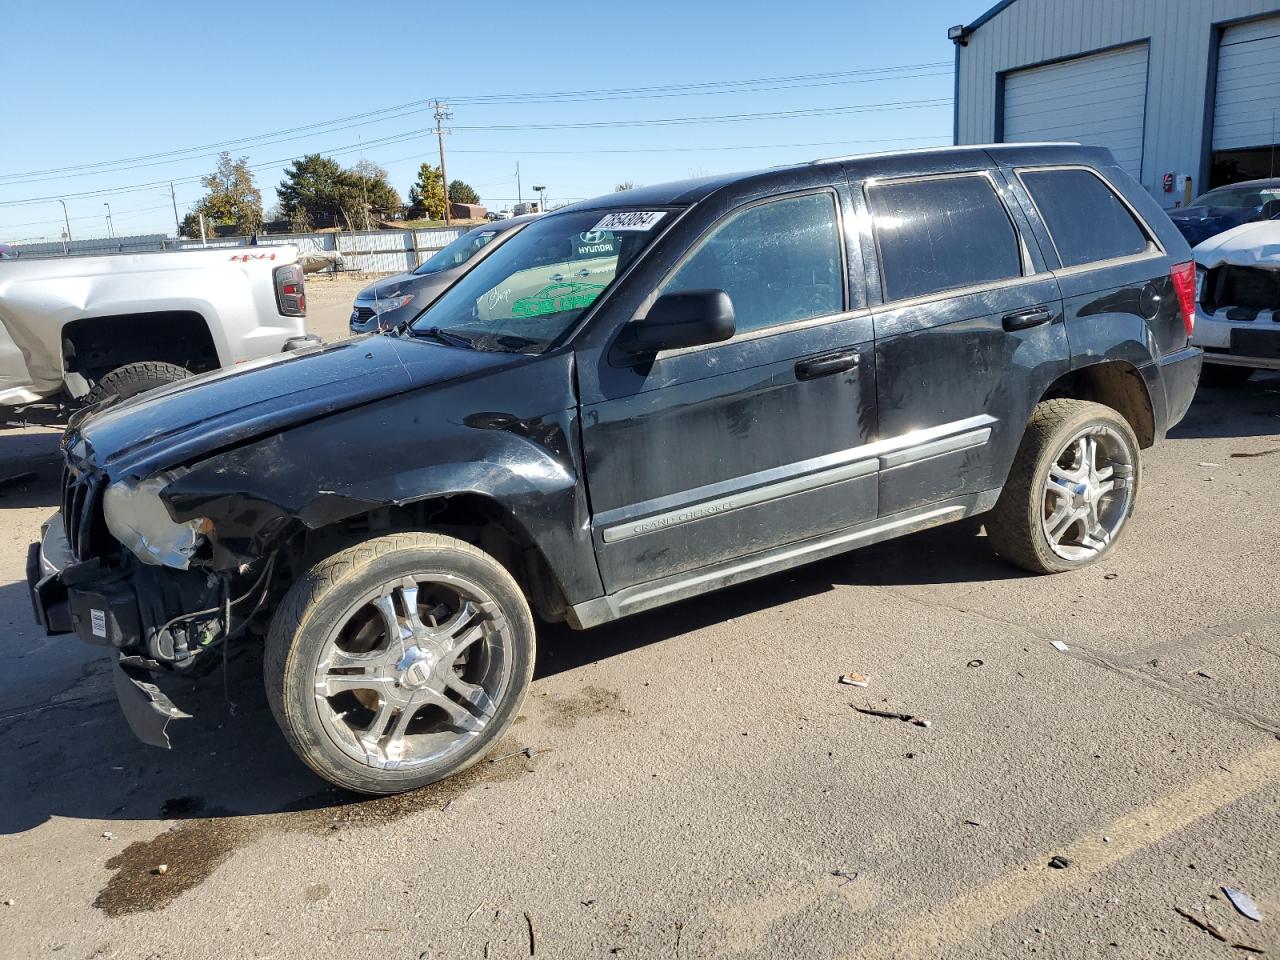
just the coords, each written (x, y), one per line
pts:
(290, 295)
(1183, 276)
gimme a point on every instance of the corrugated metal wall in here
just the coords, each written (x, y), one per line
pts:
(1183, 52)
(374, 251)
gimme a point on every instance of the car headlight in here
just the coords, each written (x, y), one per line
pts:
(1200, 273)
(383, 304)
(138, 519)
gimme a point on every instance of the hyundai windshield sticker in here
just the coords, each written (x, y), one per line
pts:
(629, 220)
(594, 243)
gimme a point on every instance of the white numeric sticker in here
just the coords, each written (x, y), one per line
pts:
(629, 220)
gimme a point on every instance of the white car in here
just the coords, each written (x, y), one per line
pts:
(1238, 302)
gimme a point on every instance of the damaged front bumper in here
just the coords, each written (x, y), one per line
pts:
(80, 598)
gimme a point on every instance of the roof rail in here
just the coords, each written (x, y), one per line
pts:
(949, 148)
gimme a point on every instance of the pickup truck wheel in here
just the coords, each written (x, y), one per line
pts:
(1071, 490)
(399, 661)
(135, 378)
(1221, 375)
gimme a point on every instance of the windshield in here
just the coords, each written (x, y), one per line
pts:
(533, 288)
(1236, 197)
(458, 252)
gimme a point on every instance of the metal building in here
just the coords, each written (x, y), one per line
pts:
(1185, 93)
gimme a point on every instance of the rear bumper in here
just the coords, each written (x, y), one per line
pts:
(1180, 375)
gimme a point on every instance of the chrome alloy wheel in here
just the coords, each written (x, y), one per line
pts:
(1088, 493)
(412, 672)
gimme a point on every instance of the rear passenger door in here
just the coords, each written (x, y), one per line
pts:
(968, 334)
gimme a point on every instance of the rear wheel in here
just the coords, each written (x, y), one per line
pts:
(1223, 376)
(399, 661)
(135, 378)
(1071, 490)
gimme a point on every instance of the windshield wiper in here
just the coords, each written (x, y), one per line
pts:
(440, 335)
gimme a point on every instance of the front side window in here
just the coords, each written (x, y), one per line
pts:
(535, 286)
(942, 234)
(1085, 219)
(779, 262)
(457, 253)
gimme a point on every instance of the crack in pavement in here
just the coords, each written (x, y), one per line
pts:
(1153, 680)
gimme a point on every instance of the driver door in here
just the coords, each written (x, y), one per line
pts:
(721, 451)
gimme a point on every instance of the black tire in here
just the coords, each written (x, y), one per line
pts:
(320, 598)
(1015, 526)
(135, 378)
(1224, 377)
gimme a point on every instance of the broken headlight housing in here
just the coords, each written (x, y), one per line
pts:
(136, 516)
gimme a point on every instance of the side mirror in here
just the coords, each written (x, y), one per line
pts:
(688, 318)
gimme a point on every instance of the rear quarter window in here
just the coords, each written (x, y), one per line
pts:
(942, 234)
(1085, 219)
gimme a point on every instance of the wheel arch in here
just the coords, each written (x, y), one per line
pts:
(473, 517)
(95, 345)
(1117, 384)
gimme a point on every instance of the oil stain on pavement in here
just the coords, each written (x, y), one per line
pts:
(191, 851)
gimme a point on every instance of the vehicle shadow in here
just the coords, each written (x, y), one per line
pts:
(1252, 410)
(955, 553)
(67, 751)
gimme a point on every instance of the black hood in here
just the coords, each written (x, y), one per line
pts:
(1200, 223)
(192, 418)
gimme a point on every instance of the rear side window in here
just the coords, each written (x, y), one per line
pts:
(936, 235)
(778, 261)
(1085, 219)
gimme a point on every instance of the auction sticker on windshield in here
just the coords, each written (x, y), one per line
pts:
(630, 220)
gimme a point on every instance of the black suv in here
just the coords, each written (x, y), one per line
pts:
(633, 401)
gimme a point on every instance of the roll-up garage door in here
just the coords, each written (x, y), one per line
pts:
(1246, 109)
(1099, 100)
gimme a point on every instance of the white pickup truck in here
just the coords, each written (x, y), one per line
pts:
(89, 327)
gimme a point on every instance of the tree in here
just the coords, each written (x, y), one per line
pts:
(460, 192)
(317, 190)
(426, 196)
(232, 199)
(311, 191)
(371, 183)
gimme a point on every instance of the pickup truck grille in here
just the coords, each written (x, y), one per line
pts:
(1249, 290)
(82, 517)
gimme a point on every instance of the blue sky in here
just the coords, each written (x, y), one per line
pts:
(95, 82)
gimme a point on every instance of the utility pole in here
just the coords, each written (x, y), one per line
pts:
(177, 226)
(542, 199)
(519, 194)
(110, 230)
(65, 219)
(441, 115)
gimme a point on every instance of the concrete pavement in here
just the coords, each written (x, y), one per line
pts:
(703, 787)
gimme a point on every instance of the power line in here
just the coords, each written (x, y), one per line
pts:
(797, 81)
(603, 124)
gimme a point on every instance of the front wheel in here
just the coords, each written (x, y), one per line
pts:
(1071, 490)
(135, 378)
(399, 661)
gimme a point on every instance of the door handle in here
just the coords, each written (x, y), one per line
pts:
(1031, 317)
(826, 364)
